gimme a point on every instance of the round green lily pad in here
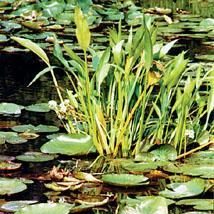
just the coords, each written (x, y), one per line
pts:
(182, 190)
(39, 107)
(12, 206)
(11, 185)
(11, 137)
(35, 129)
(198, 204)
(3, 38)
(69, 144)
(10, 108)
(46, 208)
(165, 152)
(35, 157)
(124, 180)
(206, 57)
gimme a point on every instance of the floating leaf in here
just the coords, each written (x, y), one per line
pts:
(70, 144)
(23, 128)
(124, 180)
(86, 176)
(39, 107)
(202, 170)
(207, 22)
(205, 57)
(181, 190)
(139, 167)
(46, 128)
(198, 204)
(46, 208)
(35, 129)
(35, 157)
(10, 186)
(28, 135)
(12, 206)
(11, 137)
(10, 108)
(61, 186)
(205, 157)
(3, 38)
(147, 205)
(165, 152)
(196, 212)
(9, 26)
(94, 201)
(8, 165)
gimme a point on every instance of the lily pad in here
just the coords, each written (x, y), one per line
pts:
(202, 170)
(10, 108)
(8, 165)
(165, 152)
(198, 204)
(46, 208)
(62, 186)
(11, 185)
(70, 144)
(35, 157)
(207, 22)
(207, 57)
(147, 205)
(3, 38)
(196, 212)
(124, 180)
(9, 26)
(11, 137)
(139, 167)
(12, 206)
(39, 107)
(201, 157)
(181, 190)
(35, 129)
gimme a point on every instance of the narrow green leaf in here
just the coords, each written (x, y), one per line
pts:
(73, 55)
(165, 49)
(33, 47)
(41, 73)
(148, 49)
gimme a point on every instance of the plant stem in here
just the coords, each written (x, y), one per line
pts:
(194, 150)
(56, 84)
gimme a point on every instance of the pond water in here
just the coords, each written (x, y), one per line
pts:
(19, 68)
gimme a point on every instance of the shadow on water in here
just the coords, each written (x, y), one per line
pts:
(17, 71)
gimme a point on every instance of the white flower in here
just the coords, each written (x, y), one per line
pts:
(190, 133)
(66, 101)
(52, 104)
(62, 107)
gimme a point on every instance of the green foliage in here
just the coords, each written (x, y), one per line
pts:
(181, 190)
(11, 186)
(146, 204)
(46, 208)
(114, 97)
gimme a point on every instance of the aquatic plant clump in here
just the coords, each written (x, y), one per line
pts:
(126, 97)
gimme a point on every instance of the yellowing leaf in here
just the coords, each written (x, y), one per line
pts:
(153, 78)
(82, 31)
(33, 47)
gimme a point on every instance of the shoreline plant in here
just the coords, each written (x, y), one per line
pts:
(125, 97)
